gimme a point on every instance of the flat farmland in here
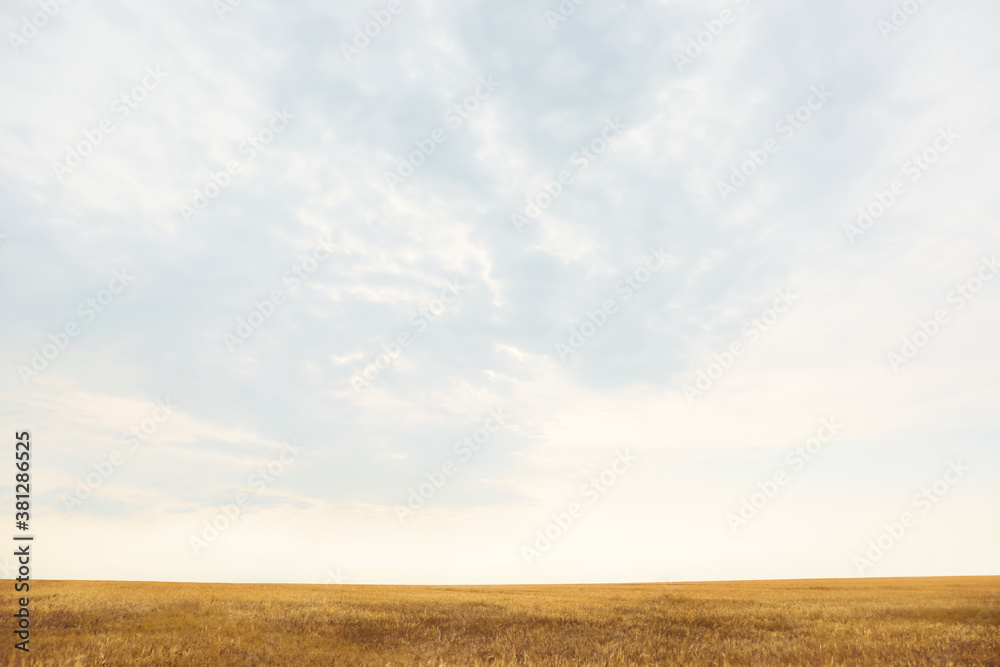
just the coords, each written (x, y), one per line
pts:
(912, 621)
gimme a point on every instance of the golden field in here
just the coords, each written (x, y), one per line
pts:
(932, 621)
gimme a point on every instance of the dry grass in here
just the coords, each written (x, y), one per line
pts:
(940, 621)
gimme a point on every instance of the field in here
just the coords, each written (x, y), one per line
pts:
(939, 621)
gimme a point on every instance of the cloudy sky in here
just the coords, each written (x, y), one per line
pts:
(440, 292)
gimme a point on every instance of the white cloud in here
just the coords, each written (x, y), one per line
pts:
(522, 293)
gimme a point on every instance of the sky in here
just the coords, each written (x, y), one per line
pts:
(429, 292)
